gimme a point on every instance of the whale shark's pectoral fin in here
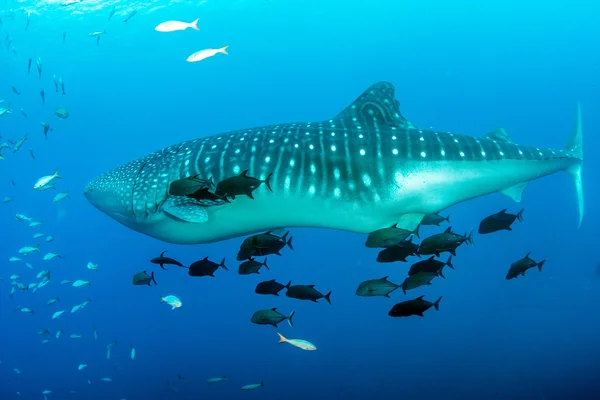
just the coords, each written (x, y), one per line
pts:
(409, 221)
(185, 209)
(515, 192)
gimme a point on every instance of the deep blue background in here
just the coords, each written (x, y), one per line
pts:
(460, 66)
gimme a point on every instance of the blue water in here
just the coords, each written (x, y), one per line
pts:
(459, 66)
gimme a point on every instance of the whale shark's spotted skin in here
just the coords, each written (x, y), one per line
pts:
(362, 170)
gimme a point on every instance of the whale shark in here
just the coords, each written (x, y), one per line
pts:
(364, 169)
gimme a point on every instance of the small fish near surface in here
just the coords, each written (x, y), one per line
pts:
(434, 219)
(263, 244)
(388, 237)
(162, 261)
(413, 307)
(207, 53)
(251, 266)
(417, 280)
(299, 343)
(189, 185)
(376, 287)
(205, 267)
(446, 241)
(430, 265)
(499, 221)
(306, 292)
(253, 386)
(47, 128)
(399, 252)
(171, 300)
(519, 267)
(142, 278)
(271, 287)
(62, 113)
(173, 26)
(216, 380)
(241, 184)
(271, 317)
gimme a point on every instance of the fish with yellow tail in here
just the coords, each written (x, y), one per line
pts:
(299, 343)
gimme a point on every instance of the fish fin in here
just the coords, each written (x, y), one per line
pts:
(288, 285)
(540, 265)
(448, 230)
(437, 303)
(184, 209)
(387, 295)
(222, 265)
(193, 24)
(453, 252)
(447, 218)
(265, 264)
(575, 149)
(449, 262)
(385, 278)
(420, 297)
(328, 297)
(503, 211)
(440, 273)
(289, 243)
(282, 338)
(375, 107)
(520, 215)
(289, 318)
(499, 135)
(224, 50)
(153, 280)
(410, 222)
(515, 192)
(268, 182)
(249, 194)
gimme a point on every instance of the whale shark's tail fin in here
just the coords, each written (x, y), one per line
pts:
(575, 149)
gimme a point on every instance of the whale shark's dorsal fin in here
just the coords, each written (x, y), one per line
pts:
(499, 135)
(377, 106)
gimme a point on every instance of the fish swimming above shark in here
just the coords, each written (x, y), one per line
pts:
(365, 169)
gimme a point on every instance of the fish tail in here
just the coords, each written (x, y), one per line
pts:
(268, 182)
(56, 175)
(575, 149)
(289, 318)
(282, 338)
(437, 303)
(449, 262)
(328, 297)
(520, 215)
(289, 243)
(194, 24)
(541, 264)
(153, 280)
(37, 248)
(265, 264)
(224, 50)
(288, 285)
(447, 218)
(416, 231)
(470, 238)
(222, 265)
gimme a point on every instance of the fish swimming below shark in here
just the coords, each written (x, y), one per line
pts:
(365, 169)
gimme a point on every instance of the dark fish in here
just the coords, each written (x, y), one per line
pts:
(15, 90)
(112, 12)
(47, 128)
(417, 280)
(263, 244)
(376, 287)
(251, 266)
(62, 113)
(413, 307)
(270, 287)
(23, 112)
(499, 221)
(29, 66)
(434, 219)
(521, 266)
(388, 237)
(398, 252)
(430, 265)
(142, 278)
(55, 83)
(241, 184)
(206, 198)
(162, 260)
(38, 64)
(271, 317)
(442, 242)
(205, 267)
(306, 292)
(62, 86)
(31, 154)
(27, 24)
(189, 185)
(64, 37)
(98, 40)
(43, 96)
(131, 15)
